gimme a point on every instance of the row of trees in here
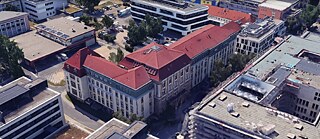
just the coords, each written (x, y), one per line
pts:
(10, 55)
(88, 4)
(91, 21)
(309, 15)
(235, 64)
(150, 27)
(133, 117)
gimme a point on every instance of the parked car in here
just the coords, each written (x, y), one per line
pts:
(63, 56)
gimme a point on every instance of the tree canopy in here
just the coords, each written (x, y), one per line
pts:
(116, 58)
(150, 27)
(107, 21)
(10, 55)
(235, 63)
(308, 16)
(88, 4)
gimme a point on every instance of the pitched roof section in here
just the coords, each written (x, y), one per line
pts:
(155, 55)
(103, 66)
(79, 57)
(160, 61)
(230, 14)
(206, 38)
(134, 78)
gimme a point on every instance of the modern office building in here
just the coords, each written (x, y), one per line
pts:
(279, 9)
(149, 79)
(53, 37)
(13, 23)
(9, 4)
(29, 109)
(40, 10)
(177, 15)
(116, 129)
(220, 16)
(277, 96)
(259, 36)
(246, 6)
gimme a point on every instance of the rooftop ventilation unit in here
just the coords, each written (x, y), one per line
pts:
(223, 97)
(268, 129)
(230, 107)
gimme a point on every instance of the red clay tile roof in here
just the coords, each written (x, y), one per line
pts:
(163, 60)
(230, 14)
(155, 55)
(75, 62)
(205, 38)
(103, 66)
(79, 57)
(134, 78)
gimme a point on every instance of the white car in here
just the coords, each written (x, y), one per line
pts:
(64, 56)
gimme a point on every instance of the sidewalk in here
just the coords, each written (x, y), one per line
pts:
(78, 125)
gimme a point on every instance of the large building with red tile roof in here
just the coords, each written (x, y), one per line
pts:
(221, 16)
(148, 79)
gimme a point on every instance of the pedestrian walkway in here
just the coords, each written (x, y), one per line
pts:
(55, 77)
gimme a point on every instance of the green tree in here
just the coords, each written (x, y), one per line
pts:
(116, 58)
(153, 26)
(98, 26)
(136, 34)
(109, 38)
(220, 72)
(88, 4)
(239, 61)
(10, 55)
(134, 117)
(86, 19)
(107, 21)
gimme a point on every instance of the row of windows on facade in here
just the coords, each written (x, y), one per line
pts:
(98, 88)
(304, 117)
(31, 123)
(169, 12)
(12, 26)
(99, 97)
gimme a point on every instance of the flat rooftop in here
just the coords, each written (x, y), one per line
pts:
(256, 32)
(23, 105)
(283, 55)
(115, 129)
(35, 46)
(5, 15)
(190, 8)
(278, 4)
(65, 26)
(106, 130)
(255, 115)
(306, 78)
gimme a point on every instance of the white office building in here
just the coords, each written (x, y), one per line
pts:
(42, 9)
(28, 109)
(13, 23)
(259, 36)
(177, 15)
